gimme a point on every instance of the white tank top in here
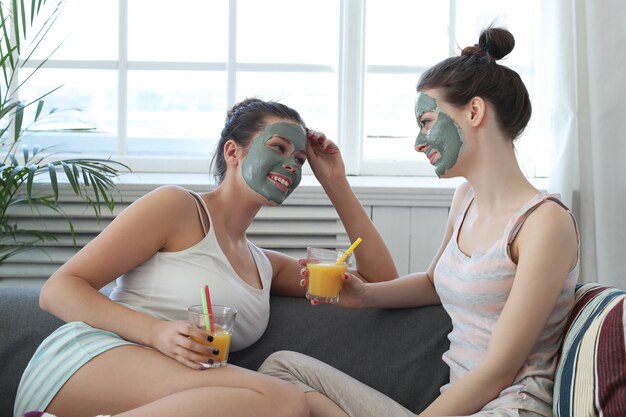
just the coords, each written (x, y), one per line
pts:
(169, 282)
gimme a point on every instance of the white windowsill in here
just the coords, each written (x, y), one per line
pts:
(371, 190)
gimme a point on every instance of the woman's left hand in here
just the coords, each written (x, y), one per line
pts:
(324, 157)
(180, 340)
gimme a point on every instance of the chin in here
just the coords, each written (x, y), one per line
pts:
(448, 174)
(272, 203)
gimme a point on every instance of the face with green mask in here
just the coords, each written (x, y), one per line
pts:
(273, 165)
(440, 137)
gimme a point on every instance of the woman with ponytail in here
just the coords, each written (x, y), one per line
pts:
(133, 353)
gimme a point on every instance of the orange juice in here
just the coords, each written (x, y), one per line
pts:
(324, 281)
(223, 324)
(221, 340)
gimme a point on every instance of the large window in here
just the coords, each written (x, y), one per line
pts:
(149, 81)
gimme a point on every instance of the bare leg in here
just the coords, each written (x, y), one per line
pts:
(132, 381)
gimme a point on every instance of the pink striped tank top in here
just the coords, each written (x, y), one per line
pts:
(473, 290)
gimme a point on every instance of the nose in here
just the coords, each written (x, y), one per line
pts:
(290, 167)
(421, 147)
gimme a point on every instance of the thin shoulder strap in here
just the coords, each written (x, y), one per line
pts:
(201, 205)
(465, 204)
(522, 218)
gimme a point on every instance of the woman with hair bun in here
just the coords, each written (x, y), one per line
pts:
(134, 353)
(505, 271)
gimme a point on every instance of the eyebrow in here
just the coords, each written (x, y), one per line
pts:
(424, 113)
(291, 143)
(282, 138)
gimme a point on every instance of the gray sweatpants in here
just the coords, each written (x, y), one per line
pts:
(351, 395)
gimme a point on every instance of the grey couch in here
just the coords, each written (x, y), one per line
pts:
(409, 369)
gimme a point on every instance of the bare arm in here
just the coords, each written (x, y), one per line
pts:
(150, 224)
(547, 251)
(286, 274)
(373, 260)
(412, 290)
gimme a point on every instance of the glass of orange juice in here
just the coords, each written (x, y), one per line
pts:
(223, 324)
(324, 281)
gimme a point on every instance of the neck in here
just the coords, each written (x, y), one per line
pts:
(498, 182)
(233, 208)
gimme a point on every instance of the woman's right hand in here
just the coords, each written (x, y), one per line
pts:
(354, 292)
(179, 340)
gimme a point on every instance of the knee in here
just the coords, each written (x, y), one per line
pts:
(279, 363)
(289, 399)
(294, 404)
(285, 399)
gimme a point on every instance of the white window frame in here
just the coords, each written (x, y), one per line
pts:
(351, 71)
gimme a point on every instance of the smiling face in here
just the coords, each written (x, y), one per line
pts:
(273, 165)
(440, 137)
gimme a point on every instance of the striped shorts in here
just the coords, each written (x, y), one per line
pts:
(55, 361)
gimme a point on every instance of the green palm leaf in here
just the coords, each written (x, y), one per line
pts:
(30, 178)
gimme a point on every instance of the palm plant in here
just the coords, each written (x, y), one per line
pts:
(23, 26)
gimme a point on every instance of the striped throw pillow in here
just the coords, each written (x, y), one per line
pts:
(590, 378)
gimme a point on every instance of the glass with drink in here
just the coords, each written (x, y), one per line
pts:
(324, 281)
(223, 323)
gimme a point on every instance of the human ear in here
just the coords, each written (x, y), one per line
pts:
(231, 156)
(477, 107)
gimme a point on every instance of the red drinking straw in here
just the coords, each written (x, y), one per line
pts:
(208, 310)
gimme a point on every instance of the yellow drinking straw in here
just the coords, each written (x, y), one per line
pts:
(349, 251)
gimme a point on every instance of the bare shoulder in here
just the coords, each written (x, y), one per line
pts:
(459, 195)
(166, 219)
(168, 192)
(550, 217)
(550, 227)
(167, 198)
(161, 208)
(461, 191)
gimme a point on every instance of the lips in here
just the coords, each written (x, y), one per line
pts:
(282, 182)
(434, 156)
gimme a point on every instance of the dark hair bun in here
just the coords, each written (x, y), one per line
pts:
(496, 43)
(241, 105)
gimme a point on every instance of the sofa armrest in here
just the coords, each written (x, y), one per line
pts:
(397, 352)
(590, 377)
(23, 325)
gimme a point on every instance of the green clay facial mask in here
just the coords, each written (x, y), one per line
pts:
(443, 141)
(273, 170)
